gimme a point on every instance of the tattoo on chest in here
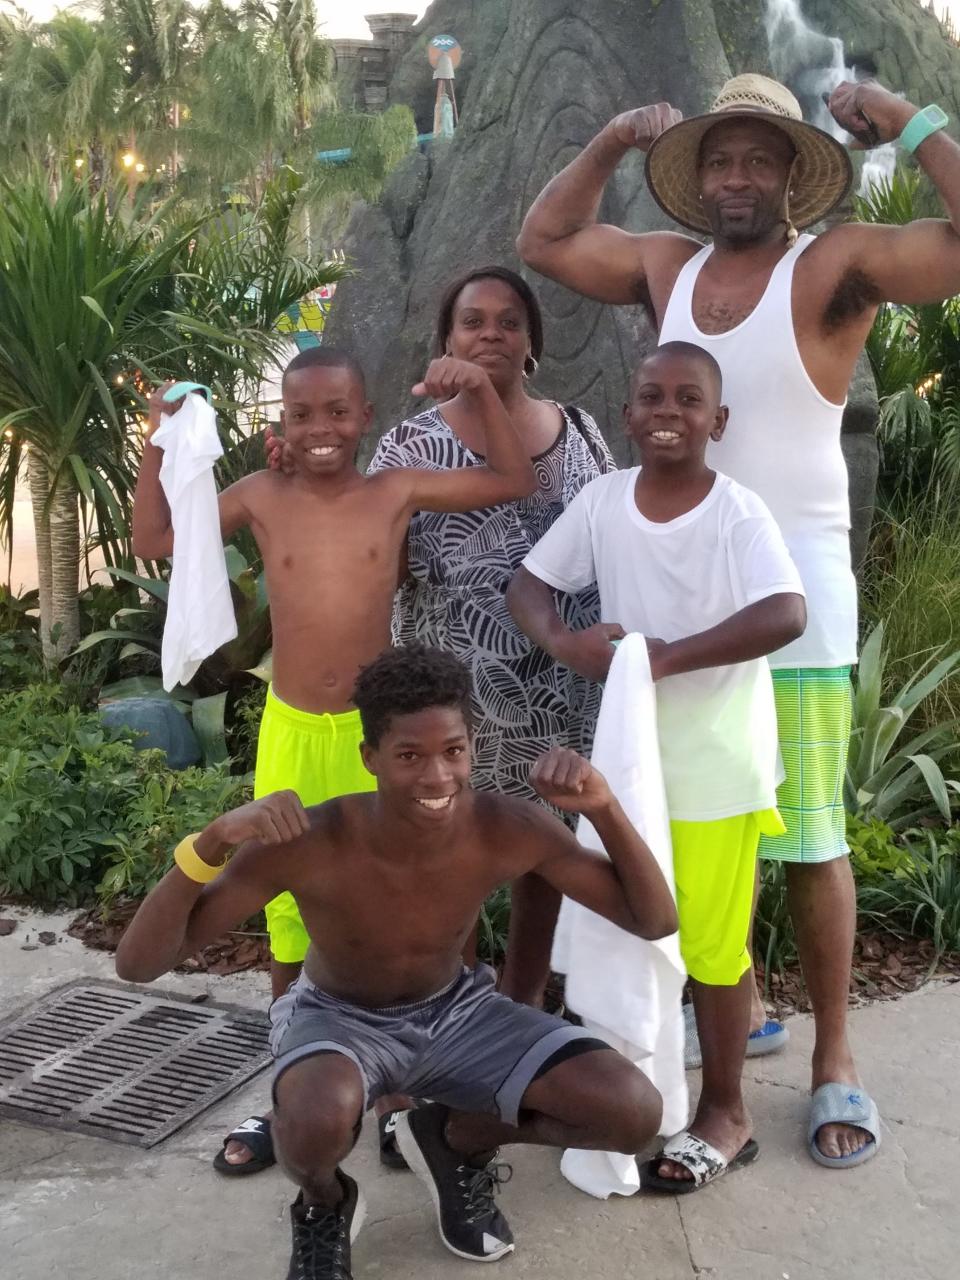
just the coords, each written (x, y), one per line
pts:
(721, 316)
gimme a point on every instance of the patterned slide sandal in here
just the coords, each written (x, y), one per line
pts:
(770, 1038)
(705, 1162)
(843, 1104)
(255, 1135)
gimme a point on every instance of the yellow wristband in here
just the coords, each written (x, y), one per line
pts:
(192, 865)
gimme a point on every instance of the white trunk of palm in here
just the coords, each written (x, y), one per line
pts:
(57, 528)
(39, 488)
(65, 568)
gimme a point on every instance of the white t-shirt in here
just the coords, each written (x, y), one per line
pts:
(718, 726)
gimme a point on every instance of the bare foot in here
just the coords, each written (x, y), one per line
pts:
(725, 1130)
(838, 1140)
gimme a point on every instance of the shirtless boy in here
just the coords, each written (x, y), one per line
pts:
(331, 540)
(390, 885)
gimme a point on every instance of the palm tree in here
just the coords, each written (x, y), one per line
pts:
(82, 307)
(90, 305)
(60, 94)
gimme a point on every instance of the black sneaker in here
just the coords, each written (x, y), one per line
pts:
(322, 1237)
(471, 1225)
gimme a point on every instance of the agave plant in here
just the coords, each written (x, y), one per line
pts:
(899, 782)
(138, 632)
(922, 896)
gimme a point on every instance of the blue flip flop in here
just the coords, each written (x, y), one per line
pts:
(843, 1104)
(770, 1038)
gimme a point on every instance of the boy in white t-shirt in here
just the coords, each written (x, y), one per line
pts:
(688, 556)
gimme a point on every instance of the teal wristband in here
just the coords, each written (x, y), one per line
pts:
(919, 127)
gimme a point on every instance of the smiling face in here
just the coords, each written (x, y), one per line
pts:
(744, 169)
(422, 765)
(490, 328)
(674, 409)
(325, 412)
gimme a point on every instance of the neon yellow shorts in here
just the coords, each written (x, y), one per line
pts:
(318, 757)
(715, 866)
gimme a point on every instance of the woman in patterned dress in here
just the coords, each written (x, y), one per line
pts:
(460, 566)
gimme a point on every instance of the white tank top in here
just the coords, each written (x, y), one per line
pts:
(783, 442)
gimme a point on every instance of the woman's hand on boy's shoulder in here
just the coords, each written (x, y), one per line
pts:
(279, 457)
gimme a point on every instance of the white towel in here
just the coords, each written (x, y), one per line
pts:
(200, 615)
(627, 990)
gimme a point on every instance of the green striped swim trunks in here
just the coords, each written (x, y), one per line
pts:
(813, 714)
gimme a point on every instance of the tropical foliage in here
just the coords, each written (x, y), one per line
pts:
(93, 306)
(202, 99)
(900, 782)
(914, 352)
(82, 811)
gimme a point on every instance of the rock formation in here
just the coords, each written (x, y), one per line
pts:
(538, 79)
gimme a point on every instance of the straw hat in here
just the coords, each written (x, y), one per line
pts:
(822, 173)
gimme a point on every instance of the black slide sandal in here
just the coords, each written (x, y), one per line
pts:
(254, 1133)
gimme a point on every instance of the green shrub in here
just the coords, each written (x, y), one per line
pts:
(875, 852)
(911, 582)
(893, 772)
(774, 942)
(921, 895)
(82, 812)
(244, 726)
(494, 926)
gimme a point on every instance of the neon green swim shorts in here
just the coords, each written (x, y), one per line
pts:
(715, 867)
(318, 757)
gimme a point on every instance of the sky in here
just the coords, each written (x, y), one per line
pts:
(344, 18)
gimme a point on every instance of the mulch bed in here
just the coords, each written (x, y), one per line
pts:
(236, 952)
(884, 966)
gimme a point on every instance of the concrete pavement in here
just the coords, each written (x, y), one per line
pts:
(84, 1209)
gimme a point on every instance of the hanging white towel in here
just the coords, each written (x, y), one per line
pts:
(200, 615)
(627, 990)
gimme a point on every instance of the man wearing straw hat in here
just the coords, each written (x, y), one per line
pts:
(786, 316)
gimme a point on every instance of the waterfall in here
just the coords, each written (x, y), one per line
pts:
(814, 64)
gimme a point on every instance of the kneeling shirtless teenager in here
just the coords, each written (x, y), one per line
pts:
(389, 885)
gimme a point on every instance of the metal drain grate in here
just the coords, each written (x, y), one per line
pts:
(101, 1059)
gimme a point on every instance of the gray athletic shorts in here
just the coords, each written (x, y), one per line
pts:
(467, 1046)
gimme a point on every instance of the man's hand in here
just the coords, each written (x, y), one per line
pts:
(275, 819)
(569, 782)
(159, 406)
(590, 652)
(871, 113)
(447, 377)
(278, 453)
(640, 128)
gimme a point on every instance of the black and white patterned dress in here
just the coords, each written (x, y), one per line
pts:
(460, 566)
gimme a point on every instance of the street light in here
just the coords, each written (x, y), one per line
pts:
(128, 160)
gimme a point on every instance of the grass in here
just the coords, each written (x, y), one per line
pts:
(911, 583)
